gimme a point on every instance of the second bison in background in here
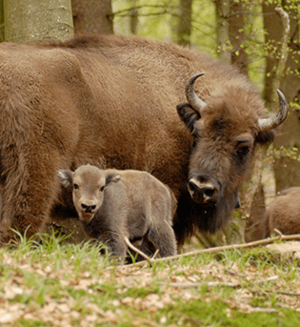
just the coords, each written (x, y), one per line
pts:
(113, 204)
(284, 213)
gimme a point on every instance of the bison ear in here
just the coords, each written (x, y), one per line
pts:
(66, 177)
(265, 137)
(112, 178)
(188, 115)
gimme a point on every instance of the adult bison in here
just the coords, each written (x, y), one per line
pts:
(111, 101)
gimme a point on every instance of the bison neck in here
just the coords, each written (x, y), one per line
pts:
(192, 216)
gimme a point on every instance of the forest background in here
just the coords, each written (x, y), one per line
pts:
(248, 33)
(68, 285)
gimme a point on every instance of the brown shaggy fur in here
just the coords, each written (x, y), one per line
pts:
(111, 101)
(114, 203)
(284, 213)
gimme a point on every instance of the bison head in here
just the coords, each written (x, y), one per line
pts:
(88, 184)
(225, 130)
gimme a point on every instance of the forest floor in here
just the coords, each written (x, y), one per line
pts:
(71, 285)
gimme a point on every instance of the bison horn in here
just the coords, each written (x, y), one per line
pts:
(270, 123)
(190, 94)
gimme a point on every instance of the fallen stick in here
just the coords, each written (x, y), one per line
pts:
(249, 245)
(132, 247)
(196, 285)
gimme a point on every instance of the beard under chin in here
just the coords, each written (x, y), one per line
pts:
(86, 217)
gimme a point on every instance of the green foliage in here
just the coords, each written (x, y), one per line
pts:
(261, 257)
(274, 154)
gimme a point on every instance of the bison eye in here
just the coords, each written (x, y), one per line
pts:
(243, 151)
(76, 187)
(102, 189)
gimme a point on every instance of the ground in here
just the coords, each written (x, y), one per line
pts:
(71, 285)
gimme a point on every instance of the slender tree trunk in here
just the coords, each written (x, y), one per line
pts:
(92, 16)
(237, 36)
(2, 35)
(35, 20)
(184, 22)
(273, 28)
(287, 170)
(133, 16)
(222, 30)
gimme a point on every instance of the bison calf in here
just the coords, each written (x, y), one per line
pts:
(284, 212)
(113, 203)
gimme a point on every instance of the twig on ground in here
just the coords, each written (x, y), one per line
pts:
(266, 310)
(235, 274)
(209, 284)
(278, 232)
(226, 247)
(155, 254)
(132, 247)
(269, 279)
(274, 292)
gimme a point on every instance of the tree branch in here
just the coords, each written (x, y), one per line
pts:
(117, 13)
(222, 248)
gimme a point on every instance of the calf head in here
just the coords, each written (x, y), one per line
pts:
(225, 130)
(88, 184)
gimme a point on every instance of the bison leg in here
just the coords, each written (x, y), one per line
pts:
(163, 238)
(28, 195)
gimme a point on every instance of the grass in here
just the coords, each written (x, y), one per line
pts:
(73, 285)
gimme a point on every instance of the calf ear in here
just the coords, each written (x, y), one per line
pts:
(265, 137)
(112, 178)
(188, 115)
(66, 177)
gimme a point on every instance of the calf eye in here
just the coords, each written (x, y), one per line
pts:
(102, 189)
(76, 187)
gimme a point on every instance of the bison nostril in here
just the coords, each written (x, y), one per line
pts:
(192, 187)
(209, 192)
(202, 192)
(88, 208)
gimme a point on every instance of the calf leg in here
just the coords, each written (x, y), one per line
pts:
(163, 237)
(117, 248)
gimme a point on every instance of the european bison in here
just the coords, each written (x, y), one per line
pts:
(284, 213)
(110, 101)
(113, 203)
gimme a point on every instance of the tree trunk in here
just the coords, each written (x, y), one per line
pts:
(184, 22)
(222, 12)
(237, 36)
(287, 170)
(133, 16)
(2, 35)
(92, 16)
(35, 20)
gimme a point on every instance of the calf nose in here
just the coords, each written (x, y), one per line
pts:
(88, 208)
(201, 192)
